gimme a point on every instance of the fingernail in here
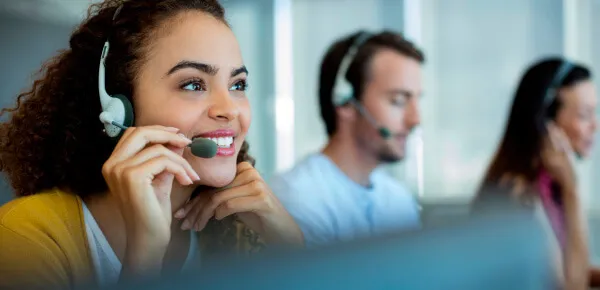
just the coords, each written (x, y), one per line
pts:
(180, 213)
(196, 176)
(185, 225)
(172, 129)
(186, 138)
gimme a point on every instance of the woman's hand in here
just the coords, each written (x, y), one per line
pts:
(250, 198)
(140, 174)
(556, 157)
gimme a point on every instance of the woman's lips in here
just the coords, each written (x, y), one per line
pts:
(224, 138)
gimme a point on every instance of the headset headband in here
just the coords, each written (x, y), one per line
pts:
(342, 90)
(559, 77)
(104, 96)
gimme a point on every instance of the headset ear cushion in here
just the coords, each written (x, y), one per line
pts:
(128, 120)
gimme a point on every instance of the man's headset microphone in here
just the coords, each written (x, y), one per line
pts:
(117, 111)
(343, 93)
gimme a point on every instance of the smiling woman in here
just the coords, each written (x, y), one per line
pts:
(95, 209)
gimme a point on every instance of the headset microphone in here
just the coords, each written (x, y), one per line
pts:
(383, 132)
(343, 93)
(203, 148)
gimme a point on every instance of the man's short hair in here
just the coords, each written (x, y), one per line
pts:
(359, 68)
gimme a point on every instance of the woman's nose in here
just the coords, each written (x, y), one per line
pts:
(223, 108)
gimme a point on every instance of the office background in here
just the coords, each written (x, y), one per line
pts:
(476, 51)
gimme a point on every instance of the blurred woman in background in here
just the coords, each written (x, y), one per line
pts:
(553, 117)
(91, 210)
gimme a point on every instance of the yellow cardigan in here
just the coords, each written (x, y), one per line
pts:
(43, 242)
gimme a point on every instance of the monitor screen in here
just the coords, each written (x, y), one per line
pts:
(500, 251)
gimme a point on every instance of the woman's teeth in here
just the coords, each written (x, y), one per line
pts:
(223, 142)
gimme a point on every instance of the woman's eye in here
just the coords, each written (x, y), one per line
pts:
(193, 86)
(239, 86)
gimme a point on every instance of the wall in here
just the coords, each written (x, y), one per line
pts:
(316, 26)
(26, 44)
(477, 51)
(252, 23)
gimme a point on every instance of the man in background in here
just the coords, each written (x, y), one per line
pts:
(369, 89)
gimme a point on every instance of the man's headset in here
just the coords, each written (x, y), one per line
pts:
(343, 93)
(117, 111)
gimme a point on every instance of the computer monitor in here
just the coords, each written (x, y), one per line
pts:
(500, 251)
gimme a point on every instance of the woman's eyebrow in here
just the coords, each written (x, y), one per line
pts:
(205, 68)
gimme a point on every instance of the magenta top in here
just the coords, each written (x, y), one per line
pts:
(553, 209)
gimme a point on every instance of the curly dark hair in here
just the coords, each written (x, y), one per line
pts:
(54, 138)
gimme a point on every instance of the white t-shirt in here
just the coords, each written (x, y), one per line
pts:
(106, 264)
(330, 207)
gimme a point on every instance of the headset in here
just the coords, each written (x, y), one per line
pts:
(559, 77)
(550, 96)
(117, 111)
(343, 93)
(552, 93)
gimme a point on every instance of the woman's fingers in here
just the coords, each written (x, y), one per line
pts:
(160, 150)
(249, 189)
(552, 136)
(558, 138)
(238, 205)
(203, 217)
(135, 140)
(198, 214)
(193, 211)
(129, 130)
(139, 138)
(563, 140)
(187, 207)
(148, 170)
(247, 192)
(201, 213)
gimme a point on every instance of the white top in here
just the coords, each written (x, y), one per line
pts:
(106, 264)
(330, 207)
